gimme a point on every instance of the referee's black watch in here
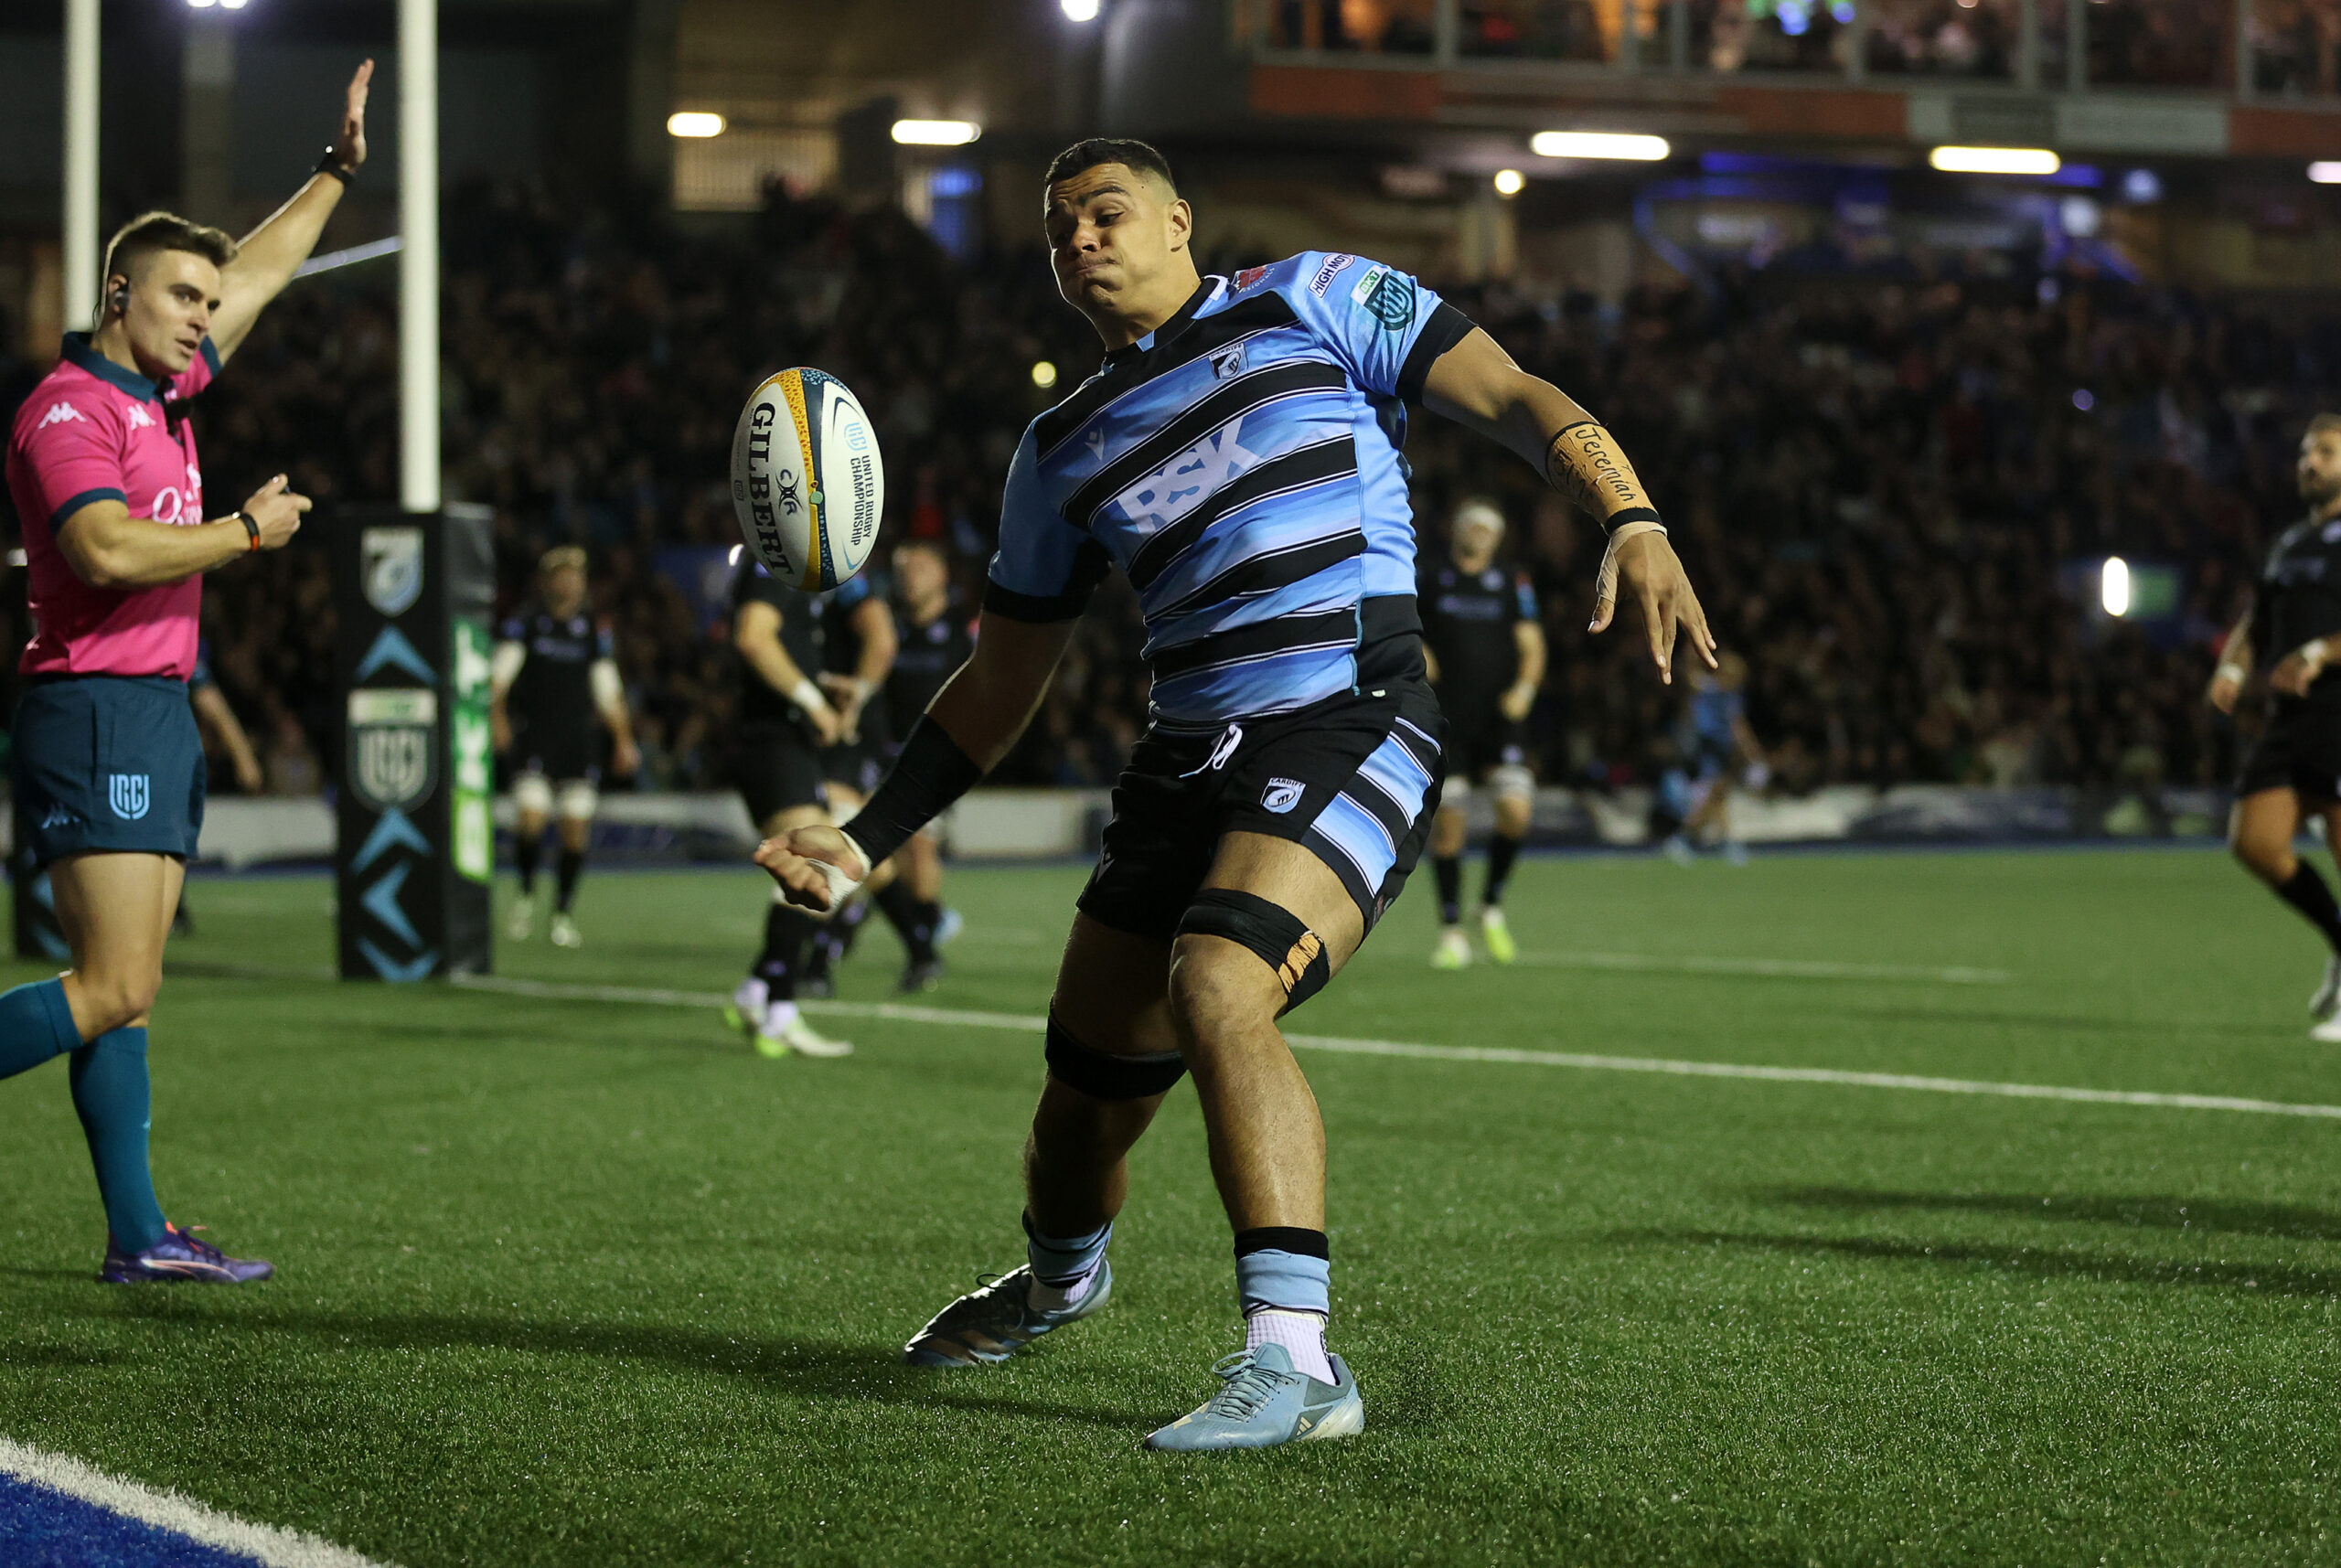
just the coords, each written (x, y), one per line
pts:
(251, 528)
(329, 165)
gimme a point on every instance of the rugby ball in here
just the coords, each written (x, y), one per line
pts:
(807, 483)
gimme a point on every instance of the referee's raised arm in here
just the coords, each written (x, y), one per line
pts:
(267, 258)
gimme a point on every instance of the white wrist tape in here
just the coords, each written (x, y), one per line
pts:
(807, 695)
(841, 886)
(2234, 672)
(1605, 586)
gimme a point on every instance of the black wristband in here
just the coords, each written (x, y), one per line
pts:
(251, 530)
(931, 773)
(1630, 515)
(329, 165)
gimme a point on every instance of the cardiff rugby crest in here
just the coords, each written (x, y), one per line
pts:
(393, 745)
(389, 566)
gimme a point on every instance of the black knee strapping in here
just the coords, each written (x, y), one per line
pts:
(1102, 1076)
(1271, 931)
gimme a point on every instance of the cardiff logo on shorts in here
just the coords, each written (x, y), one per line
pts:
(390, 567)
(128, 794)
(1282, 796)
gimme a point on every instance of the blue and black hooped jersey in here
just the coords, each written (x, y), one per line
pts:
(1241, 465)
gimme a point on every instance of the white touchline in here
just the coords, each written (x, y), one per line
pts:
(902, 1012)
(168, 1510)
(1779, 968)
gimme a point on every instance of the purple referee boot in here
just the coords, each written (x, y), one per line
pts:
(179, 1255)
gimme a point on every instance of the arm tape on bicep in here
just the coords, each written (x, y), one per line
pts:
(931, 773)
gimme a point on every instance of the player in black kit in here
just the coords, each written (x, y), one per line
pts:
(1485, 648)
(858, 649)
(555, 673)
(785, 721)
(931, 642)
(2294, 769)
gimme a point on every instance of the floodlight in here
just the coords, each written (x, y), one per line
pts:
(1510, 182)
(694, 123)
(2114, 587)
(1045, 375)
(1631, 147)
(937, 132)
(1995, 160)
(1078, 10)
(2324, 173)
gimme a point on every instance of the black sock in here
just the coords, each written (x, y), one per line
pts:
(2307, 893)
(912, 919)
(524, 854)
(572, 866)
(1502, 852)
(1448, 871)
(787, 930)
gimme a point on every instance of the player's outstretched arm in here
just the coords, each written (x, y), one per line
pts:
(267, 256)
(1476, 384)
(972, 724)
(108, 548)
(2235, 667)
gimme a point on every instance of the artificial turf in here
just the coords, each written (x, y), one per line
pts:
(585, 1282)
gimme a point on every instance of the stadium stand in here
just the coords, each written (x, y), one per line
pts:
(1886, 481)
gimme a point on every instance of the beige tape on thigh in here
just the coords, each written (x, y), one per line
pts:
(1606, 585)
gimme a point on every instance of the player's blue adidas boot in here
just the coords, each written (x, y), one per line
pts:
(997, 1319)
(178, 1257)
(1263, 1402)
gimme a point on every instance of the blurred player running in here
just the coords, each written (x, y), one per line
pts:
(1237, 458)
(784, 723)
(1718, 744)
(555, 675)
(1485, 650)
(2293, 770)
(107, 766)
(858, 650)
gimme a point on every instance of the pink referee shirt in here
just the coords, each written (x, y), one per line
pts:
(94, 431)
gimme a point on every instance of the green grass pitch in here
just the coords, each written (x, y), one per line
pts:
(571, 1282)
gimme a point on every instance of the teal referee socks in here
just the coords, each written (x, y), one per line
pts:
(34, 1025)
(110, 1093)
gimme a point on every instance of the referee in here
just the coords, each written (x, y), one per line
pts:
(2293, 770)
(106, 764)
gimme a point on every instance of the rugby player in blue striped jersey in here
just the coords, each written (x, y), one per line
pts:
(1237, 458)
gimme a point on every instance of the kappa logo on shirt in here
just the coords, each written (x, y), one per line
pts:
(60, 413)
(139, 418)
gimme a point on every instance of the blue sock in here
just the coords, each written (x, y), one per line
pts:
(1058, 1261)
(34, 1025)
(1284, 1268)
(109, 1091)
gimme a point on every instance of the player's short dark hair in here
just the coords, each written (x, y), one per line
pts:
(1125, 150)
(151, 233)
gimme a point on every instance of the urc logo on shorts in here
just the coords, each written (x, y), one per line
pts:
(128, 794)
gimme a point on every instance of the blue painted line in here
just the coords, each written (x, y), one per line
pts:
(44, 1529)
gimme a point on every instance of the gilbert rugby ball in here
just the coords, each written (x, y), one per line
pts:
(807, 483)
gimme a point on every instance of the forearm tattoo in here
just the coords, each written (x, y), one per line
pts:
(1585, 464)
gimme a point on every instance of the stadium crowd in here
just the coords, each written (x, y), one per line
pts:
(1884, 491)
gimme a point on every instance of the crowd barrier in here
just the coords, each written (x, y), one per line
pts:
(1055, 824)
